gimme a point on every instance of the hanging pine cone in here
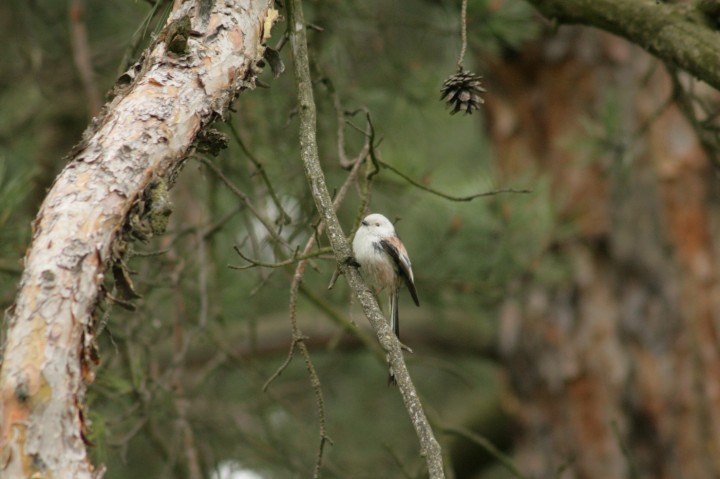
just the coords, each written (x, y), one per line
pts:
(461, 92)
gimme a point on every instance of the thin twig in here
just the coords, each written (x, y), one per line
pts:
(246, 200)
(463, 35)
(684, 100)
(298, 340)
(294, 259)
(340, 115)
(284, 218)
(144, 254)
(650, 120)
(339, 319)
(430, 449)
(445, 195)
(209, 231)
(286, 363)
(123, 440)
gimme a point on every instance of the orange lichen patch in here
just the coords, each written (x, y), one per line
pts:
(237, 38)
(15, 414)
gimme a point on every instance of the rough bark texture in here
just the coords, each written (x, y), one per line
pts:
(680, 34)
(617, 370)
(138, 143)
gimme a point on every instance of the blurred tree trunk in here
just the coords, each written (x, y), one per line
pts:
(113, 190)
(616, 370)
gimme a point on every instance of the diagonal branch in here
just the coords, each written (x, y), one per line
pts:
(677, 33)
(430, 448)
(128, 157)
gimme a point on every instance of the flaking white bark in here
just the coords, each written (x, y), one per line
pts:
(144, 134)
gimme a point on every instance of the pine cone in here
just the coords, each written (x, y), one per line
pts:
(461, 92)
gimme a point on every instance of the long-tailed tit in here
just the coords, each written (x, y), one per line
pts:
(384, 263)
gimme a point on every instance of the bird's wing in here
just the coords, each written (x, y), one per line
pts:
(396, 250)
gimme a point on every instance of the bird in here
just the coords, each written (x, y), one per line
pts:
(384, 263)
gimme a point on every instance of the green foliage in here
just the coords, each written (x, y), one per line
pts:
(13, 191)
(495, 26)
(204, 338)
(14, 225)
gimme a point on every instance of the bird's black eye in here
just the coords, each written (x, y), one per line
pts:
(365, 223)
(377, 224)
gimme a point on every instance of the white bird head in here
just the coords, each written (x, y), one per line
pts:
(377, 225)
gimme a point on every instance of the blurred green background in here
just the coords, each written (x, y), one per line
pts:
(186, 369)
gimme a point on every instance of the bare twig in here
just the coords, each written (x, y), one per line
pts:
(286, 363)
(295, 287)
(210, 230)
(709, 139)
(340, 115)
(246, 201)
(344, 322)
(284, 217)
(122, 441)
(445, 195)
(650, 120)
(294, 259)
(430, 448)
(298, 338)
(463, 35)
(145, 254)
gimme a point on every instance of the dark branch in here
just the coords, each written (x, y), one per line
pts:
(679, 34)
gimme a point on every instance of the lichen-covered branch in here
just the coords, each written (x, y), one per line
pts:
(430, 448)
(681, 34)
(105, 194)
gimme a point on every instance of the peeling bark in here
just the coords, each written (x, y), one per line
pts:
(140, 140)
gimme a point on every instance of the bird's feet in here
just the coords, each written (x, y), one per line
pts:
(351, 261)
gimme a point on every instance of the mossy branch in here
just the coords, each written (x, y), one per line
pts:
(682, 35)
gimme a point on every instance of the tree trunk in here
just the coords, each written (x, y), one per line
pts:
(617, 369)
(112, 189)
